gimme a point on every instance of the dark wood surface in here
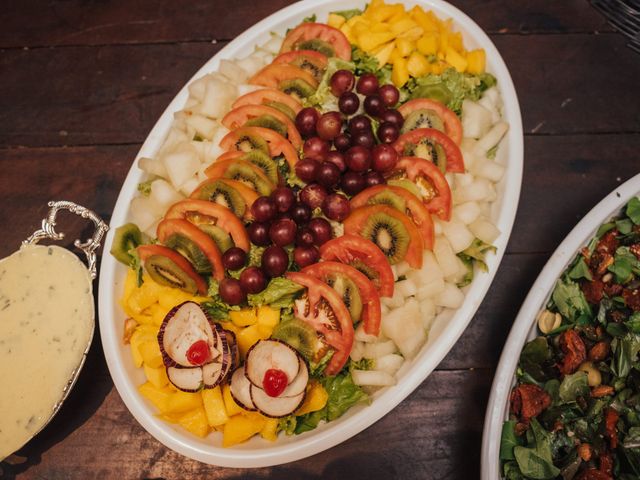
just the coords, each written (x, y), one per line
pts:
(82, 83)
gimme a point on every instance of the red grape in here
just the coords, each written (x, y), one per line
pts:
(306, 169)
(393, 116)
(321, 230)
(306, 120)
(304, 236)
(283, 232)
(329, 125)
(234, 258)
(258, 233)
(371, 179)
(358, 158)
(342, 81)
(364, 139)
(253, 280)
(283, 198)
(389, 95)
(388, 132)
(337, 158)
(336, 207)
(274, 261)
(263, 209)
(305, 256)
(383, 158)
(328, 175)
(348, 103)
(367, 84)
(342, 142)
(313, 195)
(231, 291)
(373, 105)
(300, 213)
(352, 183)
(359, 123)
(315, 148)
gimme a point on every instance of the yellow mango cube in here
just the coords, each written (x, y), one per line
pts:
(156, 376)
(230, 405)
(142, 298)
(130, 284)
(136, 355)
(438, 67)
(456, 60)
(427, 44)
(428, 22)
(268, 317)
(476, 61)
(180, 402)
(170, 417)
(405, 46)
(145, 317)
(240, 428)
(195, 421)
(385, 12)
(247, 337)
(159, 397)
(414, 34)
(402, 24)
(400, 73)
(270, 429)
(142, 334)
(379, 27)
(368, 41)
(395, 55)
(244, 317)
(361, 27)
(455, 41)
(315, 400)
(417, 64)
(171, 297)
(214, 406)
(157, 313)
(335, 21)
(383, 53)
(151, 355)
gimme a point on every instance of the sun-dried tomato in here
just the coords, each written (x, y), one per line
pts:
(574, 351)
(635, 249)
(599, 351)
(606, 463)
(612, 289)
(593, 475)
(528, 401)
(593, 291)
(632, 298)
(608, 243)
(599, 262)
(610, 420)
(617, 316)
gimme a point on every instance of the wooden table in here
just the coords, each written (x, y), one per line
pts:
(81, 85)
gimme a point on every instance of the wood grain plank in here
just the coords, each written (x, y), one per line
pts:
(421, 438)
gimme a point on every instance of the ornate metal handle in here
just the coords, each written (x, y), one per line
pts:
(89, 247)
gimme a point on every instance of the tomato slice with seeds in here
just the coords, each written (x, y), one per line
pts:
(309, 60)
(324, 310)
(452, 124)
(370, 297)
(172, 226)
(273, 75)
(240, 115)
(248, 194)
(278, 145)
(436, 193)
(200, 212)
(266, 95)
(145, 252)
(405, 145)
(310, 30)
(415, 209)
(363, 255)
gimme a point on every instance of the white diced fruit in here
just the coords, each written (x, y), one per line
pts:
(484, 230)
(163, 194)
(204, 127)
(197, 88)
(144, 212)
(476, 119)
(492, 137)
(379, 349)
(273, 44)
(389, 363)
(404, 327)
(476, 191)
(406, 288)
(174, 138)
(357, 351)
(250, 64)
(217, 98)
(445, 257)
(361, 336)
(451, 297)
(460, 274)
(427, 311)
(490, 170)
(152, 166)
(372, 378)
(189, 186)
(431, 289)
(397, 300)
(458, 235)
(467, 212)
(245, 88)
(182, 164)
(233, 71)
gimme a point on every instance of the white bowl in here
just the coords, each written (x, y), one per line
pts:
(258, 452)
(525, 326)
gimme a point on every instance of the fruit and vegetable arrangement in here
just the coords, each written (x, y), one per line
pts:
(306, 221)
(575, 406)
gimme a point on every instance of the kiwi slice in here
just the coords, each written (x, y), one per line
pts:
(263, 162)
(225, 195)
(298, 334)
(350, 294)
(281, 107)
(163, 271)
(437, 91)
(318, 45)
(268, 121)
(244, 174)
(220, 236)
(389, 234)
(422, 118)
(429, 151)
(247, 142)
(126, 238)
(368, 271)
(406, 184)
(387, 197)
(188, 249)
(306, 64)
(297, 88)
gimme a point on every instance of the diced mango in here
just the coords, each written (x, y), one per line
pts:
(159, 397)
(405, 46)
(130, 283)
(238, 429)
(247, 337)
(385, 12)
(270, 429)
(156, 376)
(214, 406)
(383, 53)
(142, 334)
(268, 318)
(414, 34)
(195, 421)
(455, 41)
(428, 22)
(368, 41)
(335, 21)
(150, 352)
(403, 24)
(476, 61)
(456, 60)
(231, 327)
(346, 29)
(170, 297)
(170, 417)
(244, 317)
(157, 313)
(230, 405)
(315, 400)
(361, 27)
(136, 355)
(142, 298)
(183, 402)
(417, 64)
(400, 73)
(395, 55)
(144, 318)
(427, 44)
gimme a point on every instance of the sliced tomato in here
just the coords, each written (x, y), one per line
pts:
(310, 60)
(220, 169)
(204, 242)
(266, 95)
(325, 311)
(357, 220)
(147, 251)
(278, 145)
(436, 193)
(363, 255)
(455, 161)
(248, 194)
(452, 124)
(200, 212)
(240, 115)
(309, 31)
(370, 297)
(273, 75)
(415, 209)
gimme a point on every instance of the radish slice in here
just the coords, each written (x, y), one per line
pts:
(241, 390)
(212, 374)
(186, 379)
(268, 354)
(275, 407)
(299, 383)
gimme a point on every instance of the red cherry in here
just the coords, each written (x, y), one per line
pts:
(274, 382)
(198, 353)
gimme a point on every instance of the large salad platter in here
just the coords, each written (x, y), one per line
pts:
(250, 359)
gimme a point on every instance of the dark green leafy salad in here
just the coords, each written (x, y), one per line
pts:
(575, 408)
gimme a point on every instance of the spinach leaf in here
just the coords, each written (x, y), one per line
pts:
(569, 300)
(633, 210)
(509, 440)
(280, 292)
(580, 270)
(574, 386)
(633, 324)
(512, 471)
(535, 461)
(625, 264)
(604, 228)
(533, 355)
(625, 353)
(624, 226)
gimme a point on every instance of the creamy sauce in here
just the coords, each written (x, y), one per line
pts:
(46, 322)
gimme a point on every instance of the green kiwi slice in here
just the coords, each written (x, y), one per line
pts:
(296, 87)
(298, 334)
(163, 271)
(220, 236)
(225, 195)
(126, 238)
(350, 294)
(406, 184)
(283, 108)
(389, 198)
(318, 45)
(244, 174)
(389, 234)
(422, 118)
(247, 142)
(268, 121)
(306, 64)
(429, 151)
(369, 272)
(188, 249)
(263, 162)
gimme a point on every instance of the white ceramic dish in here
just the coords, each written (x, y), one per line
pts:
(257, 452)
(525, 326)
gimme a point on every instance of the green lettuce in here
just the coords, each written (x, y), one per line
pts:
(633, 210)
(569, 300)
(280, 292)
(323, 92)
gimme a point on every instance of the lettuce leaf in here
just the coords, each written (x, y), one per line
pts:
(280, 292)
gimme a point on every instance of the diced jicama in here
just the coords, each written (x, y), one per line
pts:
(431, 289)
(189, 186)
(233, 71)
(273, 44)
(476, 191)
(357, 351)
(476, 119)
(389, 363)
(361, 336)
(174, 138)
(245, 88)
(427, 311)
(459, 236)
(204, 127)
(467, 212)
(406, 288)
(397, 300)
(372, 378)
(484, 230)
(181, 164)
(152, 166)
(379, 349)
(250, 64)
(451, 297)
(197, 88)
(191, 104)
(459, 275)
(202, 147)
(463, 179)
(144, 212)
(401, 268)
(217, 98)
(445, 256)
(404, 326)
(163, 194)
(490, 170)
(492, 137)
